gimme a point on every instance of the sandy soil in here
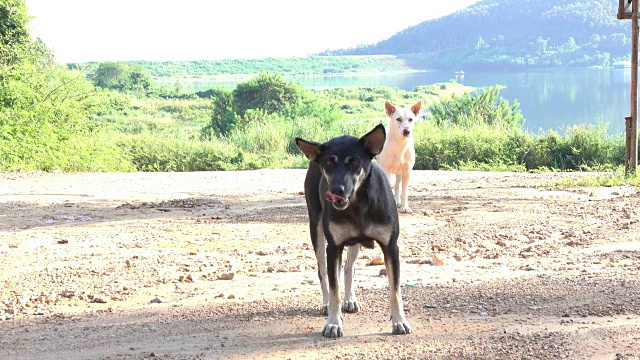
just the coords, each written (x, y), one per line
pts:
(133, 266)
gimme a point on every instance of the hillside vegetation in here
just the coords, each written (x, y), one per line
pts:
(311, 65)
(512, 34)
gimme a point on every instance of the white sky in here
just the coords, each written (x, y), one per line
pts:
(92, 30)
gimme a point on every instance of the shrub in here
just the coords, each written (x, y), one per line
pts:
(583, 147)
(42, 109)
(148, 153)
(483, 107)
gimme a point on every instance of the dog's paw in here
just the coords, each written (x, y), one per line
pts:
(332, 330)
(325, 309)
(401, 328)
(351, 306)
(405, 209)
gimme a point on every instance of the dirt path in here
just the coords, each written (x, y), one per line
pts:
(131, 266)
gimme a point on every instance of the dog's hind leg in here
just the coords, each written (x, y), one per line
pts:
(404, 204)
(351, 303)
(399, 322)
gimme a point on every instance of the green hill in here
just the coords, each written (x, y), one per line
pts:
(510, 34)
(311, 65)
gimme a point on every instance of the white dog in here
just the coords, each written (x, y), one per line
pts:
(399, 154)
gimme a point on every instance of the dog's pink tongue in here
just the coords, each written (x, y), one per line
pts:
(329, 196)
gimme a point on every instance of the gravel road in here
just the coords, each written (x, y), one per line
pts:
(216, 265)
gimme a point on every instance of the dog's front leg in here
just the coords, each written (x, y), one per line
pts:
(333, 328)
(404, 205)
(392, 185)
(399, 322)
(351, 303)
(321, 257)
(396, 189)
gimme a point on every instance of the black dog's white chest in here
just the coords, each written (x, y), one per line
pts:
(347, 234)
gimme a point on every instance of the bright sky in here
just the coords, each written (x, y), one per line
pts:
(92, 30)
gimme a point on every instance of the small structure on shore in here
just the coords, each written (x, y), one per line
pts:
(622, 64)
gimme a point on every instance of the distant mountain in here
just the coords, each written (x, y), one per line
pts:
(511, 34)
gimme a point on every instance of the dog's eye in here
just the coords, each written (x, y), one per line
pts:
(410, 120)
(330, 162)
(355, 162)
(399, 119)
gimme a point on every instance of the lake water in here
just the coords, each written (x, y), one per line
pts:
(548, 99)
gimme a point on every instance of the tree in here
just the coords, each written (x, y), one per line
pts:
(14, 31)
(122, 77)
(222, 118)
(606, 60)
(268, 92)
(110, 75)
(481, 43)
(569, 46)
(139, 79)
(542, 45)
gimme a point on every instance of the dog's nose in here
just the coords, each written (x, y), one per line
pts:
(338, 190)
(406, 132)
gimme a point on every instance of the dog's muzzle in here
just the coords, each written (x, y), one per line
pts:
(339, 202)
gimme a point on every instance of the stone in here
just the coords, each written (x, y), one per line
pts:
(226, 276)
(376, 261)
(179, 289)
(99, 300)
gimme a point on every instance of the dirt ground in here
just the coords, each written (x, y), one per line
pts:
(219, 265)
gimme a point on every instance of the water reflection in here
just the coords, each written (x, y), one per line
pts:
(548, 99)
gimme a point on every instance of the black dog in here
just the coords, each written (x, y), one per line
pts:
(350, 204)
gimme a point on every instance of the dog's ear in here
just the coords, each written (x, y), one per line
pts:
(390, 109)
(373, 141)
(310, 149)
(415, 109)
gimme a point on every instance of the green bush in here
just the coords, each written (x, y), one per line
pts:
(582, 147)
(42, 110)
(450, 148)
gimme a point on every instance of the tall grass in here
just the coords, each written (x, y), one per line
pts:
(478, 147)
(457, 146)
(153, 153)
(580, 148)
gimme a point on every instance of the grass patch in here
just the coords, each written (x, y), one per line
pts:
(615, 178)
